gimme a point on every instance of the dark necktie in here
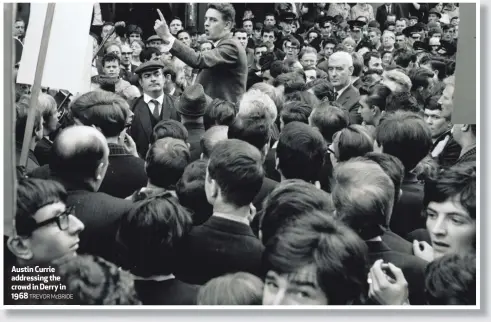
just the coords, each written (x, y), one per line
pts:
(388, 9)
(156, 113)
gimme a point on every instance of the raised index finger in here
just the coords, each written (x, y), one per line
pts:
(160, 15)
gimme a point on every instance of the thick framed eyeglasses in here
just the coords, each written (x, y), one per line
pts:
(62, 220)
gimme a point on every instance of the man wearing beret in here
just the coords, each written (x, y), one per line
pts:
(152, 107)
(223, 69)
(191, 108)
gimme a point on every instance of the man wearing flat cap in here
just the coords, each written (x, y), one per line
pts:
(224, 68)
(154, 41)
(356, 27)
(153, 106)
(191, 108)
(434, 16)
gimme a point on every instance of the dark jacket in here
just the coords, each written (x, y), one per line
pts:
(125, 173)
(223, 69)
(397, 243)
(195, 132)
(469, 156)
(267, 187)
(144, 121)
(451, 151)
(169, 292)
(412, 267)
(218, 247)
(42, 151)
(32, 162)
(381, 14)
(349, 99)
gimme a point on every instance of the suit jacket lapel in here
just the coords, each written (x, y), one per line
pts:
(165, 112)
(145, 121)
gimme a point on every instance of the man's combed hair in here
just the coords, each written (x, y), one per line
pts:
(109, 58)
(237, 168)
(402, 101)
(226, 9)
(301, 150)
(32, 195)
(150, 232)
(211, 137)
(329, 120)
(451, 280)
(458, 183)
(169, 129)
(406, 136)
(219, 112)
(338, 254)
(353, 141)
(295, 111)
(254, 130)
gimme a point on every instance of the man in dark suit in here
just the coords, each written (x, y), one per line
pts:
(224, 68)
(152, 107)
(386, 9)
(363, 195)
(191, 108)
(127, 68)
(79, 161)
(148, 235)
(340, 69)
(225, 243)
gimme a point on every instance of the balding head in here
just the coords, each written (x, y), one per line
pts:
(211, 137)
(80, 156)
(340, 68)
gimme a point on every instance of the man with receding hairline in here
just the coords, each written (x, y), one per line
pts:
(79, 161)
(340, 69)
(211, 137)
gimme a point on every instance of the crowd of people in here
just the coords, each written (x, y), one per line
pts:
(305, 156)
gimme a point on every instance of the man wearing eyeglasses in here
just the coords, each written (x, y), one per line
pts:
(128, 69)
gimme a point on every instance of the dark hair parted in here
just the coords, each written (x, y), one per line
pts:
(301, 150)
(329, 120)
(227, 11)
(253, 129)
(402, 101)
(219, 112)
(165, 162)
(237, 168)
(458, 183)
(353, 141)
(295, 111)
(287, 202)
(150, 233)
(147, 53)
(338, 254)
(406, 136)
(169, 129)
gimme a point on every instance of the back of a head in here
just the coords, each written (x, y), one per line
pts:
(147, 53)
(353, 141)
(289, 200)
(301, 150)
(254, 130)
(77, 153)
(451, 280)
(190, 190)
(165, 162)
(211, 137)
(272, 92)
(457, 183)
(420, 77)
(337, 253)
(329, 120)
(94, 281)
(403, 58)
(399, 78)
(218, 112)
(21, 113)
(406, 136)
(322, 89)
(237, 168)
(169, 129)
(363, 195)
(232, 289)
(150, 232)
(277, 68)
(402, 101)
(105, 110)
(377, 96)
(295, 111)
(358, 64)
(255, 103)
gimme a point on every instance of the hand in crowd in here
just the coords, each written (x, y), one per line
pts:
(423, 250)
(387, 289)
(128, 143)
(161, 28)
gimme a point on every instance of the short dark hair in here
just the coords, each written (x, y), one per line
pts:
(459, 182)
(219, 112)
(182, 31)
(227, 11)
(254, 130)
(406, 136)
(165, 162)
(211, 137)
(353, 141)
(291, 199)
(237, 168)
(451, 280)
(190, 190)
(329, 120)
(329, 40)
(149, 233)
(369, 55)
(377, 96)
(110, 58)
(295, 111)
(338, 254)
(105, 110)
(402, 101)
(277, 68)
(402, 58)
(168, 70)
(134, 29)
(301, 150)
(441, 67)
(32, 195)
(268, 29)
(420, 77)
(241, 30)
(322, 89)
(147, 53)
(169, 129)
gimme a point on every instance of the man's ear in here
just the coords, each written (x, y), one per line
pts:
(98, 172)
(201, 156)
(465, 127)
(168, 77)
(351, 69)
(20, 247)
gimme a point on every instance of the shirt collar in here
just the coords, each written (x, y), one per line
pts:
(232, 217)
(341, 91)
(147, 98)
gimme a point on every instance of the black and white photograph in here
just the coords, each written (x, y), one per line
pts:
(239, 154)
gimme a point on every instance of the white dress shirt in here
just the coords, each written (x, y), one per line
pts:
(147, 98)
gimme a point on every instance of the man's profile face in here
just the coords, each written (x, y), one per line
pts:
(175, 26)
(215, 26)
(375, 63)
(269, 21)
(299, 288)
(339, 71)
(152, 81)
(185, 38)
(242, 38)
(111, 68)
(247, 25)
(437, 122)
(19, 28)
(446, 100)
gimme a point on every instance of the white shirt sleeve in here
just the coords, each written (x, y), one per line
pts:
(165, 48)
(97, 15)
